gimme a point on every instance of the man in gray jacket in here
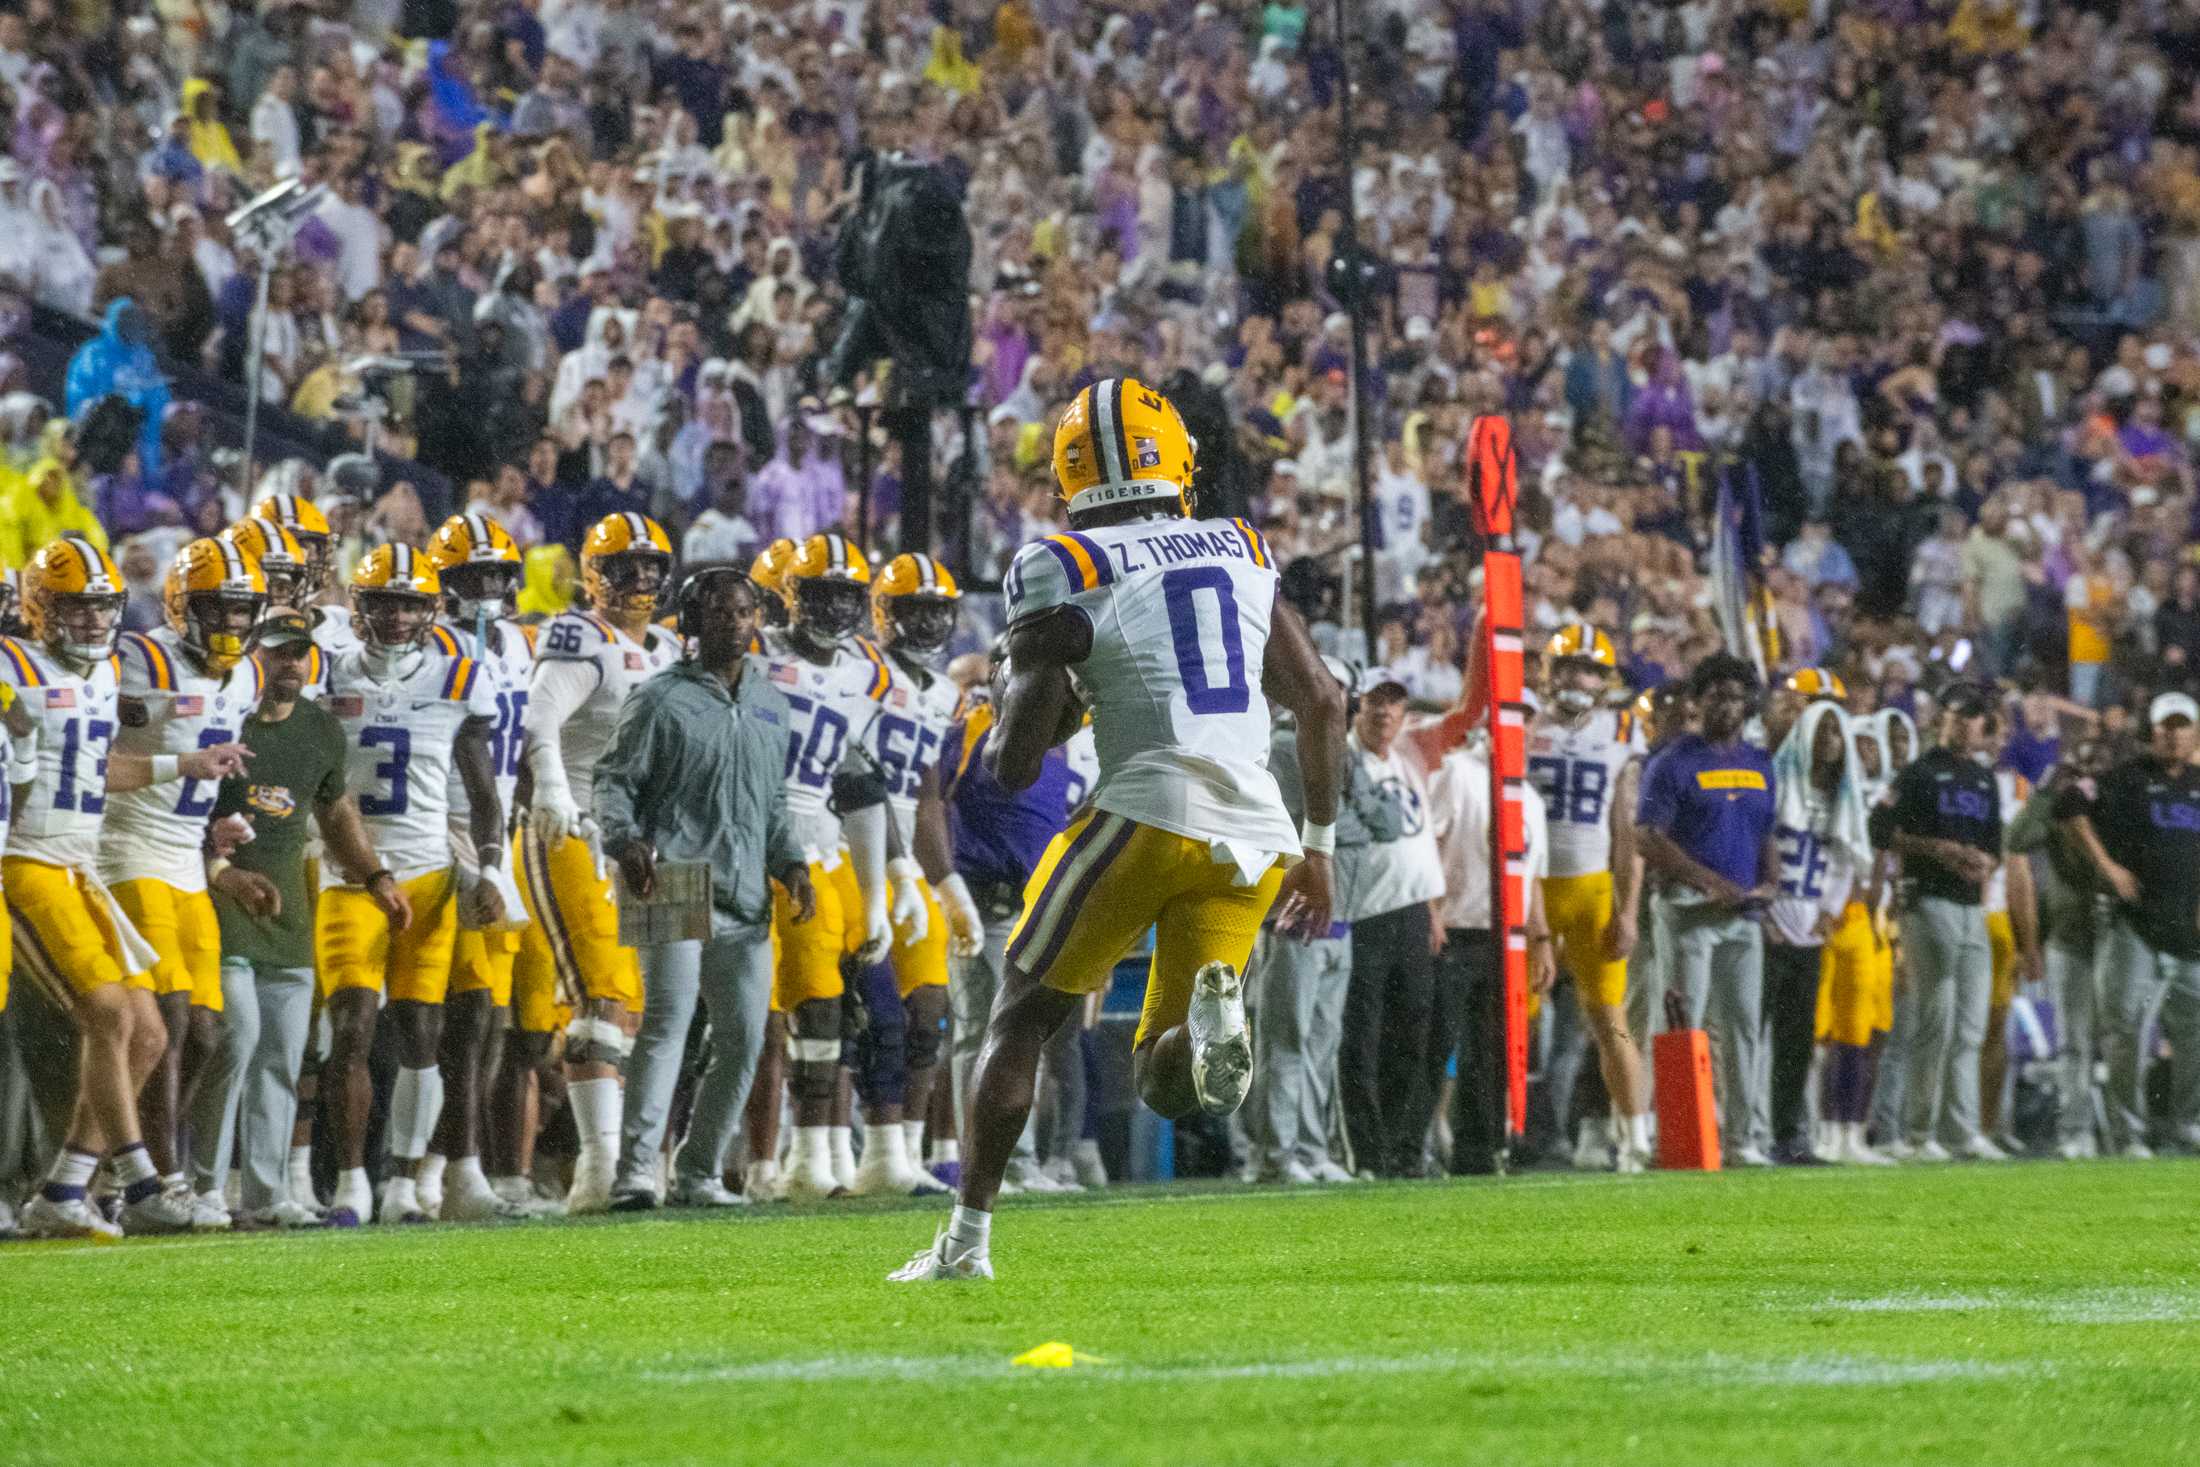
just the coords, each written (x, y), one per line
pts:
(695, 774)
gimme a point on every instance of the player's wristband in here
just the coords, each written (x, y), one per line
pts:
(216, 867)
(1318, 839)
(166, 767)
(377, 874)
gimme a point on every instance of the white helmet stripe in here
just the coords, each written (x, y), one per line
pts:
(1107, 403)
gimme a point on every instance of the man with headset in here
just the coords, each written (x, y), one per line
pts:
(694, 773)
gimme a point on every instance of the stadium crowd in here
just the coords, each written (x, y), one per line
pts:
(1922, 278)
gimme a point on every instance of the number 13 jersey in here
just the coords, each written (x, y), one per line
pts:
(1180, 616)
(398, 734)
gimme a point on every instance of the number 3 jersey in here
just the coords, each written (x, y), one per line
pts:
(1576, 768)
(59, 819)
(830, 707)
(168, 706)
(398, 734)
(1180, 615)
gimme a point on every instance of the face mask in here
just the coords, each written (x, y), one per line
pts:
(1573, 702)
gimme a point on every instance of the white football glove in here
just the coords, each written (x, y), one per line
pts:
(554, 816)
(878, 928)
(908, 912)
(965, 928)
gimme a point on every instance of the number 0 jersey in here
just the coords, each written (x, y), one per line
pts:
(908, 735)
(829, 707)
(507, 664)
(617, 664)
(1576, 770)
(397, 751)
(168, 706)
(60, 816)
(1180, 615)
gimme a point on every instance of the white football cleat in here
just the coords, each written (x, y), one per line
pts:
(1855, 1150)
(1981, 1148)
(288, 1214)
(1085, 1162)
(811, 1179)
(762, 1182)
(1592, 1148)
(709, 1192)
(1749, 1156)
(76, 1218)
(1930, 1151)
(399, 1202)
(1222, 1051)
(209, 1213)
(1328, 1170)
(1030, 1176)
(937, 1265)
(592, 1179)
(163, 1212)
(1292, 1173)
(2077, 1149)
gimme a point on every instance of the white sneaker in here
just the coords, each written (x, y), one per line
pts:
(163, 1212)
(7, 1219)
(477, 1203)
(520, 1195)
(75, 1218)
(937, 1265)
(763, 1183)
(1030, 1176)
(1592, 1152)
(288, 1214)
(1980, 1148)
(592, 1179)
(1930, 1151)
(2078, 1149)
(1327, 1170)
(1856, 1151)
(1749, 1156)
(1085, 1162)
(1222, 1052)
(1292, 1173)
(709, 1192)
(209, 1213)
(2136, 1151)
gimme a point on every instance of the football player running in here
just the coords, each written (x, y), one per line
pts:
(183, 686)
(413, 711)
(479, 565)
(71, 939)
(570, 961)
(1585, 759)
(835, 683)
(914, 609)
(1173, 631)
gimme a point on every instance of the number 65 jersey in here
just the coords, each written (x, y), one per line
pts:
(1576, 769)
(1180, 616)
(397, 741)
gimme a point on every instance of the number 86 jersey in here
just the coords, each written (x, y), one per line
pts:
(1576, 769)
(1180, 615)
(398, 735)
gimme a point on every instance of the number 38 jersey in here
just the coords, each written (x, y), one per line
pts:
(830, 706)
(507, 664)
(168, 706)
(1576, 769)
(1180, 613)
(59, 819)
(616, 665)
(397, 750)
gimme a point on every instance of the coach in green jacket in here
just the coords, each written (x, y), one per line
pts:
(696, 772)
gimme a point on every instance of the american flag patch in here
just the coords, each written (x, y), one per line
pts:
(190, 705)
(899, 697)
(783, 673)
(347, 705)
(60, 697)
(1148, 453)
(633, 662)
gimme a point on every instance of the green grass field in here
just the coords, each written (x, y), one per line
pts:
(2037, 1313)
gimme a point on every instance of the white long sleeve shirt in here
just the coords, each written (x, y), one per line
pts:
(1459, 814)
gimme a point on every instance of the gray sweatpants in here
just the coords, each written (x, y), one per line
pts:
(2181, 1020)
(266, 1015)
(1952, 978)
(2134, 978)
(973, 984)
(1715, 961)
(732, 977)
(2074, 987)
(1298, 989)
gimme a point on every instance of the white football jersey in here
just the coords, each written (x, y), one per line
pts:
(60, 816)
(1816, 875)
(168, 706)
(398, 735)
(1084, 768)
(507, 665)
(1180, 613)
(908, 734)
(1576, 771)
(829, 708)
(333, 631)
(621, 664)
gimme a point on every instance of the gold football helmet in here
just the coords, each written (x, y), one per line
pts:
(72, 601)
(1119, 442)
(913, 605)
(394, 595)
(1815, 683)
(214, 595)
(769, 571)
(479, 563)
(303, 518)
(281, 559)
(1579, 641)
(626, 562)
(827, 585)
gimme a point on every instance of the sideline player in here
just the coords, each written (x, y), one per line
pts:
(479, 565)
(71, 939)
(915, 609)
(413, 711)
(1583, 757)
(334, 628)
(183, 686)
(586, 662)
(1173, 631)
(835, 683)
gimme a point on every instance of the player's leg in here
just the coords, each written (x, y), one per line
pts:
(211, 1094)
(736, 983)
(152, 909)
(808, 988)
(1993, 1055)
(760, 1178)
(419, 974)
(881, 1075)
(480, 991)
(1192, 1051)
(671, 985)
(602, 981)
(351, 952)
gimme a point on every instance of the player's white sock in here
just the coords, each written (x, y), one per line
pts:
(428, 1177)
(969, 1230)
(1638, 1133)
(301, 1175)
(885, 1160)
(354, 1192)
(844, 1155)
(946, 1151)
(596, 1112)
(400, 1198)
(466, 1173)
(416, 1101)
(912, 1142)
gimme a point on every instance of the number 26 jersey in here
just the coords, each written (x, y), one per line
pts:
(1180, 616)
(397, 751)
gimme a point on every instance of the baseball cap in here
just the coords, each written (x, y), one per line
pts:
(1378, 679)
(285, 628)
(2173, 705)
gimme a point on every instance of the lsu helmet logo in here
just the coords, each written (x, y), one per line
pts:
(1148, 453)
(271, 799)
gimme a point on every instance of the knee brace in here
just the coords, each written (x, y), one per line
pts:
(813, 1044)
(882, 1051)
(596, 1042)
(925, 1041)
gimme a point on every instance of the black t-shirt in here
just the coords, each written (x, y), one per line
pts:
(2147, 815)
(1945, 797)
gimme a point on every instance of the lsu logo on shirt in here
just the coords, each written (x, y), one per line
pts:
(271, 799)
(1733, 781)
